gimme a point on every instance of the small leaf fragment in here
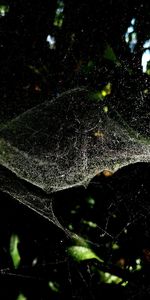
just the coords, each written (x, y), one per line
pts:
(109, 278)
(54, 286)
(21, 297)
(90, 224)
(79, 241)
(110, 55)
(14, 252)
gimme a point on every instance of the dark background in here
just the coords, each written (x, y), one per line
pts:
(31, 72)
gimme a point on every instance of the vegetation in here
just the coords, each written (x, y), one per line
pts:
(49, 47)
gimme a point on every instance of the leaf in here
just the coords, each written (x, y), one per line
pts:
(79, 241)
(100, 95)
(21, 297)
(54, 286)
(80, 253)
(109, 278)
(14, 252)
(90, 223)
(110, 55)
(106, 90)
(4, 9)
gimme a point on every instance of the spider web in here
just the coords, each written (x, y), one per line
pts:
(64, 143)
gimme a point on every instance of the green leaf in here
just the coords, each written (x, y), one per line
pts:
(90, 223)
(14, 252)
(80, 253)
(96, 96)
(21, 297)
(54, 286)
(59, 16)
(109, 278)
(110, 55)
(4, 9)
(100, 95)
(91, 202)
(79, 241)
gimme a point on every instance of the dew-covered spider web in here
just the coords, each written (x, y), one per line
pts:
(86, 170)
(64, 143)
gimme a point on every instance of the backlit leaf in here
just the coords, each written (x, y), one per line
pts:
(14, 252)
(80, 253)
